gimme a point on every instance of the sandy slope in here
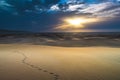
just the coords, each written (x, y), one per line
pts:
(35, 62)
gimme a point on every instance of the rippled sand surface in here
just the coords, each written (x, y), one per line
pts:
(37, 62)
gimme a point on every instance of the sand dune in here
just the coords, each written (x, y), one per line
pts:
(37, 62)
(103, 39)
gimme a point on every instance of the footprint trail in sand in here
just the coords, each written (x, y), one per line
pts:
(24, 61)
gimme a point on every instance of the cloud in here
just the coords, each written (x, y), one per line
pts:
(5, 6)
(106, 9)
(100, 8)
(45, 17)
(103, 9)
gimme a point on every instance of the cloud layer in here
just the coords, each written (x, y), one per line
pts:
(83, 6)
(43, 15)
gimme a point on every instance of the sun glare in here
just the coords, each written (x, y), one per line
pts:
(75, 22)
(78, 22)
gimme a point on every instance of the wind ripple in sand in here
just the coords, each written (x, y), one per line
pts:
(24, 61)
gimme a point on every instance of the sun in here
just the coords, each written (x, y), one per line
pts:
(76, 22)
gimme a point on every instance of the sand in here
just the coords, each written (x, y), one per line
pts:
(37, 62)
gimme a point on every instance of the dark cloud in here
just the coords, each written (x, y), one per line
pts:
(22, 5)
(45, 15)
(43, 5)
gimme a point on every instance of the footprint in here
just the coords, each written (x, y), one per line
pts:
(24, 61)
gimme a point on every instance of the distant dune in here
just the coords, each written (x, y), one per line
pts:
(37, 62)
(87, 39)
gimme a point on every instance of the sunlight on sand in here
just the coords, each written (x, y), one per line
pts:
(78, 63)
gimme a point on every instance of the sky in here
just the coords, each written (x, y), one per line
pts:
(58, 15)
